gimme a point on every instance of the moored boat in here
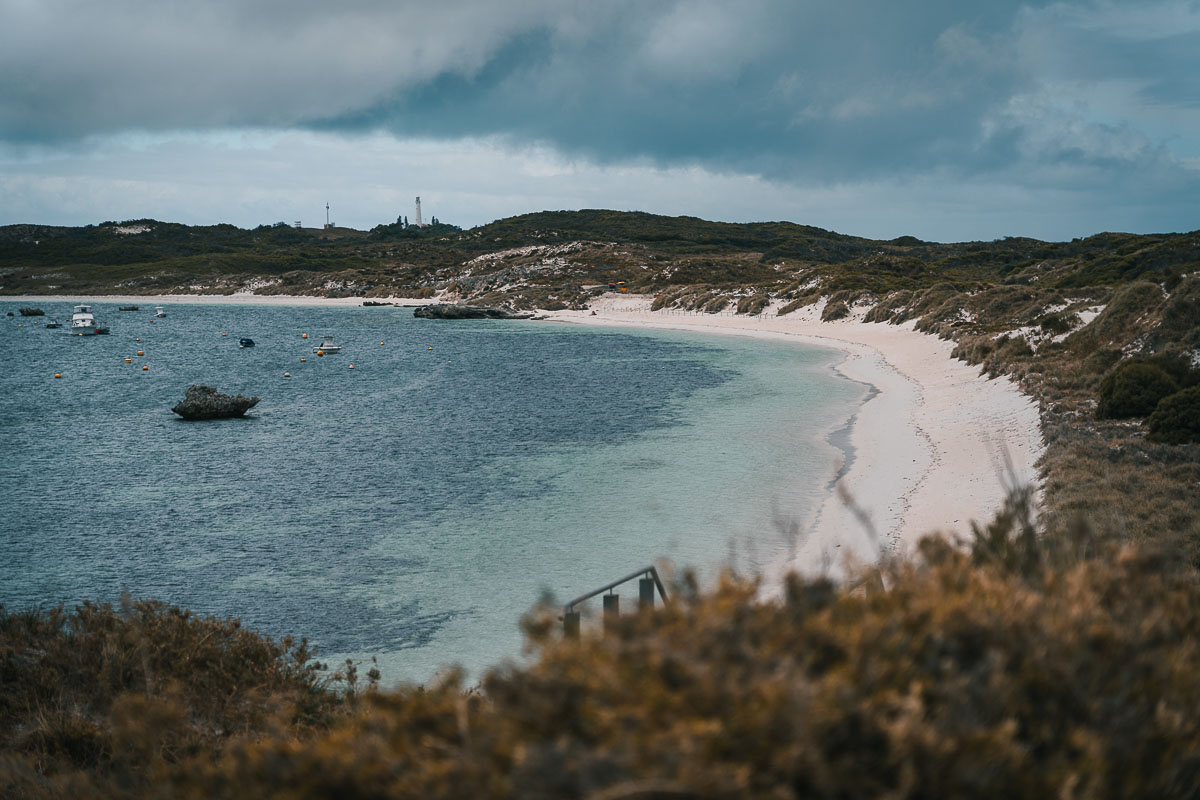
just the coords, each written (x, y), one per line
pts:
(245, 343)
(83, 323)
(53, 323)
(158, 311)
(326, 347)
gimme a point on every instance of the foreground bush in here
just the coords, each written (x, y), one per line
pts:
(1022, 666)
(111, 697)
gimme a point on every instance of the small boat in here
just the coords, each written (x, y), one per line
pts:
(83, 323)
(326, 347)
(245, 343)
(158, 311)
(128, 308)
(53, 323)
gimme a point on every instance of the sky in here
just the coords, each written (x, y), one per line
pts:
(949, 120)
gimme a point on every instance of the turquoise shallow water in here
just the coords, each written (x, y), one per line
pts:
(411, 508)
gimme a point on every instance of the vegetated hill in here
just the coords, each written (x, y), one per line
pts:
(527, 265)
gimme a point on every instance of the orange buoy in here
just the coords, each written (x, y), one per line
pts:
(58, 374)
(144, 367)
(351, 366)
(138, 339)
(303, 360)
(287, 374)
(140, 353)
(304, 336)
(224, 334)
(430, 347)
(129, 361)
(381, 344)
(320, 352)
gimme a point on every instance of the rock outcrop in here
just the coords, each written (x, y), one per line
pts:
(205, 402)
(32, 312)
(456, 311)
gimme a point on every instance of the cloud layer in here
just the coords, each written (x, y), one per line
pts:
(1086, 96)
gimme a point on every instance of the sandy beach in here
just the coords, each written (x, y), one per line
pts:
(935, 446)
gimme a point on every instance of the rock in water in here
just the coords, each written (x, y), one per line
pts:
(32, 312)
(454, 311)
(205, 402)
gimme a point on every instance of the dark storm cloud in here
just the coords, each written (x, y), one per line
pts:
(790, 90)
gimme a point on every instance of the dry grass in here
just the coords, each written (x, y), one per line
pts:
(1013, 665)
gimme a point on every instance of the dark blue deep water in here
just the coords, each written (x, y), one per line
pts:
(411, 507)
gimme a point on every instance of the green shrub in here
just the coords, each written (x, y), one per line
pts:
(1176, 419)
(1133, 389)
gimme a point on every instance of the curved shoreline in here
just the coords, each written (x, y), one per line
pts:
(935, 447)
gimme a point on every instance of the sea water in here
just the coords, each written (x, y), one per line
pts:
(412, 507)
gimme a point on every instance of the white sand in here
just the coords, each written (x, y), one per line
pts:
(935, 448)
(240, 298)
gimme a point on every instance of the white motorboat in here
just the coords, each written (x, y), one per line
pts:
(326, 347)
(158, 311)
(83, 323)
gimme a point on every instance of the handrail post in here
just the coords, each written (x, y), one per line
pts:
(612, 611)
(571, 624)
(646, 594)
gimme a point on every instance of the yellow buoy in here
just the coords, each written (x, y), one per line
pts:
(381, 344)
(430, 347)
(320, 352)
(144, 367)
(303, 360)
(58, 374)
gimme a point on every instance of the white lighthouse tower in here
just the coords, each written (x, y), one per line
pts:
(417, 217)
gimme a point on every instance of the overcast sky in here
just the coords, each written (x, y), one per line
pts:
(945, 119)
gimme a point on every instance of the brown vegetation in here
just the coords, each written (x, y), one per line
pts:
(1020, 665)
